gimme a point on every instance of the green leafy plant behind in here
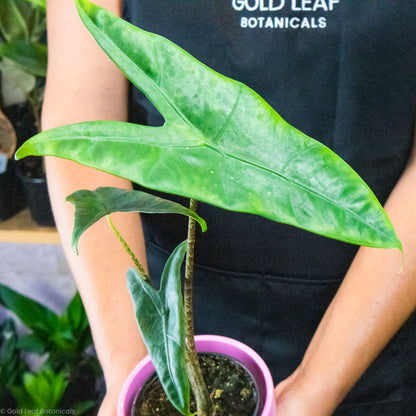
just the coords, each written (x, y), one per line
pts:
(34, 315)
(30, 58)
(12, 365)
(70, 373)
(221, 144)
(23, 53)
(22, 22)
(43, 390)
(64, 337)
(40, 3)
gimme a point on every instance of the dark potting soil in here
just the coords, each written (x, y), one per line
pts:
(231, 387)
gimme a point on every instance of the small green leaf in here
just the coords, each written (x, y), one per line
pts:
(75, 315)
(90, 206)
(32, 343)
(161, 320)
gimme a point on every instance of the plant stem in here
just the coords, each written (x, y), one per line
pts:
(136, 262)
(205, 407)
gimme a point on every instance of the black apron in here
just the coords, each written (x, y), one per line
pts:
(342, 72)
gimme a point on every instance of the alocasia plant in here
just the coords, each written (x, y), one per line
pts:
(222, 144)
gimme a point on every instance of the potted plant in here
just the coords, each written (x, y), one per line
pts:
(221, 144)
(23, 60)
(48, 363)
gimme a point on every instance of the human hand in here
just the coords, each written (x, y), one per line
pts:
(295, 397)
(109, 404)
(287, 402)
(114, 384)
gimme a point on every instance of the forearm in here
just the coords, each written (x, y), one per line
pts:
(82, 85)
(100, 270)
(373, 302)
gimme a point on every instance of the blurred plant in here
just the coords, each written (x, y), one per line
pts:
(69, 376)
(23, 53)
(41, 390)
(12, 365)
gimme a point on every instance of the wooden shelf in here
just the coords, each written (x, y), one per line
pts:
(22, 229)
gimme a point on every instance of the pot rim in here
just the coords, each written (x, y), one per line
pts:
(209, 343)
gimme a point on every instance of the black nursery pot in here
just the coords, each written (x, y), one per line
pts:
(29, 170)
(11, 194)
(37, 197)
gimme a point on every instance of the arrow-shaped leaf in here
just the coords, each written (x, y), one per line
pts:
(221, 144)
(161, 320)
(90, 206)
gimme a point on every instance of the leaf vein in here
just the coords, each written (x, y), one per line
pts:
(230, 115)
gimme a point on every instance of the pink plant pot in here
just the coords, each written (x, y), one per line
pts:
(206, 343)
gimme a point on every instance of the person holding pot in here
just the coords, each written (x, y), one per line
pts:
(334, 323)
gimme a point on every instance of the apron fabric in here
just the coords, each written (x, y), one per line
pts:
(342, 72)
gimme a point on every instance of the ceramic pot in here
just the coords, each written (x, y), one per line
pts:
(206, 343)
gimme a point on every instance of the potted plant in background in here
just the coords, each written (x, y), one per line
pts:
(48, 362)
(221, 144)
(11, 196)
(23, 60)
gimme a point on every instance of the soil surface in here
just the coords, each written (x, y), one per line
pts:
(232, 389)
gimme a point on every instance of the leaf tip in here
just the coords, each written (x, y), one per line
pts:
(203, 224)
(20, 153)
(74, 246)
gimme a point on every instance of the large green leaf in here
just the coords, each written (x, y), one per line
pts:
(221, 143)
(90, 206)
(161, 320)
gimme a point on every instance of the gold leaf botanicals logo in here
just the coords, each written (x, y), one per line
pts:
(270, 14)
